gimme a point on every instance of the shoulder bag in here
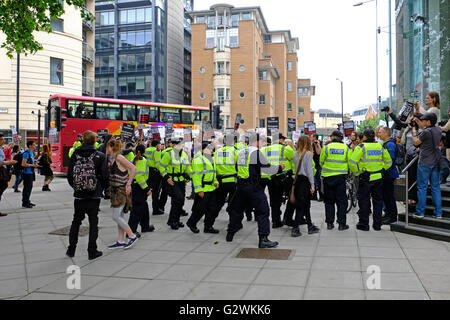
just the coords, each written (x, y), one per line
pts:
(292, 193)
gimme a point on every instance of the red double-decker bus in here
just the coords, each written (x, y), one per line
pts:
(70, 115)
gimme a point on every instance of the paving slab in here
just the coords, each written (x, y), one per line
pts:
(232, 275)
(265, 292)
(337, 264)
(119, 288)
(217, 291)
(396, 295)
(333, 294)
(282, 277)
(185, 273)
(48, 296)
(165, 290)
(335, 279)
(142, 270)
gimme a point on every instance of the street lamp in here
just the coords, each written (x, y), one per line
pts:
(377, 31)
(342, 100)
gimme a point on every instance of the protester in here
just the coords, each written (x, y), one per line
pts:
(432, 101)
(88, 176)
(389, 177)
(121, 177)
(45, 163)
(428, 167)
(28, 174)
(304, 185)
(17, 167)
(3, 164)
(444, 162)
(317, 149)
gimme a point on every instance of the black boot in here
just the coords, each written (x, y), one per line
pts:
(343, 227)
(264, 242)
(230, 236)
(94, 254)
(71, 251)
(295, 232)
(210, 230)
(330, 226)
(193, 228)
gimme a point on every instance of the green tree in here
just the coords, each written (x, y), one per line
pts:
(372, 122)
(20, 18)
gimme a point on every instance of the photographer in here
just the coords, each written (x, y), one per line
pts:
(428, 167)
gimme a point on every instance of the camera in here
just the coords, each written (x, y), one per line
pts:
(385, 109)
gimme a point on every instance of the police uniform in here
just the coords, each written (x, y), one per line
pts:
(175, 165)
(129, 155)
(368, 161)
(248, 211)
(139, 211)
(250, 193)
(225, 161)
(75, 146)
(162, 200)
(334, 163)
(278, 184)
(153, 156)
(204, 180)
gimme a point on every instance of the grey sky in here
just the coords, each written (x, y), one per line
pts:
(337, 40)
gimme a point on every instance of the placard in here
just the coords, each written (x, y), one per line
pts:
(273, 124)
(349, 127)
(102, 132)
(292, 124)
(237, 122)
(310, 127)
(127, 131)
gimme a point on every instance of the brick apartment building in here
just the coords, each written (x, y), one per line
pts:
(245, 68)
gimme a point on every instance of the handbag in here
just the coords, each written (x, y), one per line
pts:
(5, 174)
(292, 193)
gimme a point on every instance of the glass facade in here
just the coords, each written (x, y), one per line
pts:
(423, 51)
(131, 45)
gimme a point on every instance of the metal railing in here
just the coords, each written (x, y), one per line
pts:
(87, 23)
(88, 53)
(413, 226)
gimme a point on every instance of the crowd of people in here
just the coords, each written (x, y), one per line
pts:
(233, 173)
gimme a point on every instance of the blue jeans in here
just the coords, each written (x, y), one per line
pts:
(425, 174)
(19, 179)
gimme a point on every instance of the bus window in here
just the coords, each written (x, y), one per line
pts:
(129, 112)
(166, 112)
(188, 116)
(148, 114)
(108, 111)
(80, 109)
(205, 116)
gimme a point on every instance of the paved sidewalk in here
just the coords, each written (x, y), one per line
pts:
(170, 264)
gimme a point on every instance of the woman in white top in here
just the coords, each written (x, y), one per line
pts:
(304, 186)
(433, 103)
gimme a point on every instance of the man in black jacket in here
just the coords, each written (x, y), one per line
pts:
(87, 202)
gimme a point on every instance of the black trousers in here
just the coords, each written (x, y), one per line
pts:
(205, 206)
(139, 211)
(335, 194)
(225, 190)
(177, 194)
(163, 195)
(303, 201)
(276, 191)
(248, 195)
(3, 187)
(366, 191)
(154, 181)
(83, 207)
(389, 199)
(27, 188)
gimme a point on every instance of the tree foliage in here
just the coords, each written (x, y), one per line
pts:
(372, 122)
(20, 18)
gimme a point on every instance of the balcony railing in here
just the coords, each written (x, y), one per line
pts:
(88, 53)
(88, 87)
(86, 23)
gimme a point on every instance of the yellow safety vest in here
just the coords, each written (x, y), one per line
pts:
(371, 157)
(334, 159)
(142, 173)
(203, 174)
(225, 162)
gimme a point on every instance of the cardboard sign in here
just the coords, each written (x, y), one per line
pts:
(127, 131)
(237, 122)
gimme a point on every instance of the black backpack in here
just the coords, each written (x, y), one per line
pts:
(17, 168)
(400, 153)
(84, 174)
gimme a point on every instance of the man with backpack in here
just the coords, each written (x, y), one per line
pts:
(28, 174)
(88, 175)
(390, 144)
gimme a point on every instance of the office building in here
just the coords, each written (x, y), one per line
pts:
(241, 65)
(65, 66)
(423, 50)
(140, 50)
